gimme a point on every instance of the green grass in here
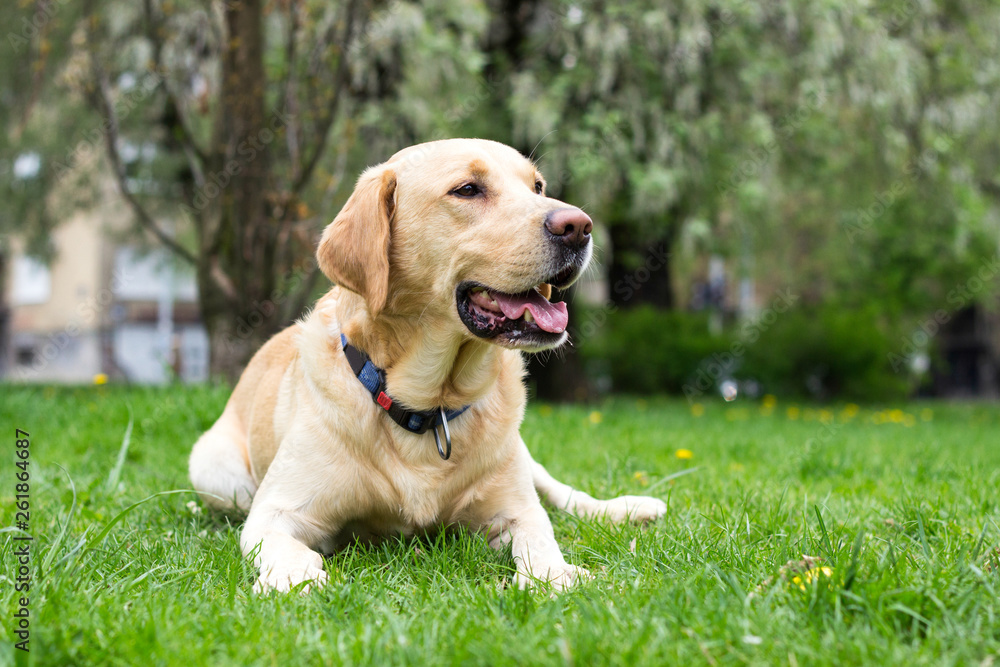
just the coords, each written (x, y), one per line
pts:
(903, 508)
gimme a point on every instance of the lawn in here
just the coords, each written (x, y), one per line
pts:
(900, 502)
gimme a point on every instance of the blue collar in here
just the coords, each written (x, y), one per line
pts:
(414, 421)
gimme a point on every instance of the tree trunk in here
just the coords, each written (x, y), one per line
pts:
(237, 272)
(640, 270)
(236, 332)
(232, 341)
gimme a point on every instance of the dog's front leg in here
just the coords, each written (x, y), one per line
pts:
(514, 517)
(275, 540)
(535, 550)
(283, 522)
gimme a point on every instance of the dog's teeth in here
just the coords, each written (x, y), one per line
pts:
(493, 302)
(528, 317)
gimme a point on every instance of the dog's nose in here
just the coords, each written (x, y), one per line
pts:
(569, 225)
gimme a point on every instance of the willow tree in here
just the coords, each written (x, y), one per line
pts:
(745, 129)
(735, 124)
(231, 130)
(212, 120)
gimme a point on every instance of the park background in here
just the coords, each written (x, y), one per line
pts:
(790, 333)
(801, 198)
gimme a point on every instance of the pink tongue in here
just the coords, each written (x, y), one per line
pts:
(551, 317)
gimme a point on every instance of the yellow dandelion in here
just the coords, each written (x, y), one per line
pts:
(769, 401)
(896, 416)
(811, 575)
(641, 477)
(926, 415)
(595, 417)
(100, 378)
(545, 411)
(697, 409)
(825, 416)
(792, 411)
(850, 410)
(684, 454)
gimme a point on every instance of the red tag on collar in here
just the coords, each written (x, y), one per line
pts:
(384, 400)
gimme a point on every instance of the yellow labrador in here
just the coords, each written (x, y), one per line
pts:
(394, 406)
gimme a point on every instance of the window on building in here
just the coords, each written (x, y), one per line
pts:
(31, 282)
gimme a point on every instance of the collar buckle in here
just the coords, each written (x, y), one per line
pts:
(443, 423)
(373, 379)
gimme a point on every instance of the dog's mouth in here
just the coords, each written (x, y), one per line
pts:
(524, 319)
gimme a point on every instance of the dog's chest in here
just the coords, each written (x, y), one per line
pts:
(413, 504)
(411, 498)
(438, 493)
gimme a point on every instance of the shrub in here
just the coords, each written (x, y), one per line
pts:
(646, 350)
(828, 352)
(824, 351)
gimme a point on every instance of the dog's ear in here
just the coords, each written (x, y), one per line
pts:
(354, 250)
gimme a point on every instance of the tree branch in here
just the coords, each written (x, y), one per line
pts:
(293, 130)
(991, 187)
(102, 97)
(297, 303)
(153, 26)
(340, 81)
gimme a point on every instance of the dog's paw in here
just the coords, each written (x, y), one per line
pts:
(282, 578)
(560, 577)
(639, 509)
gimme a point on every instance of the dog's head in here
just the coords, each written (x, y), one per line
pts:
(460, 231)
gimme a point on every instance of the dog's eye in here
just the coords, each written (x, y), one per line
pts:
(539, 186)
(467, 190)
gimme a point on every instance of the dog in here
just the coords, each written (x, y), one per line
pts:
(394, 407)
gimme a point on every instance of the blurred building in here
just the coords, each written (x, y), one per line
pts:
(968, 355)
(100, 307)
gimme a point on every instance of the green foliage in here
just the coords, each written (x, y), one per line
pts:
(645, 350)
(827, 351)
(904, 516)
(42, 122)
(779, 127)
(848, 146)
